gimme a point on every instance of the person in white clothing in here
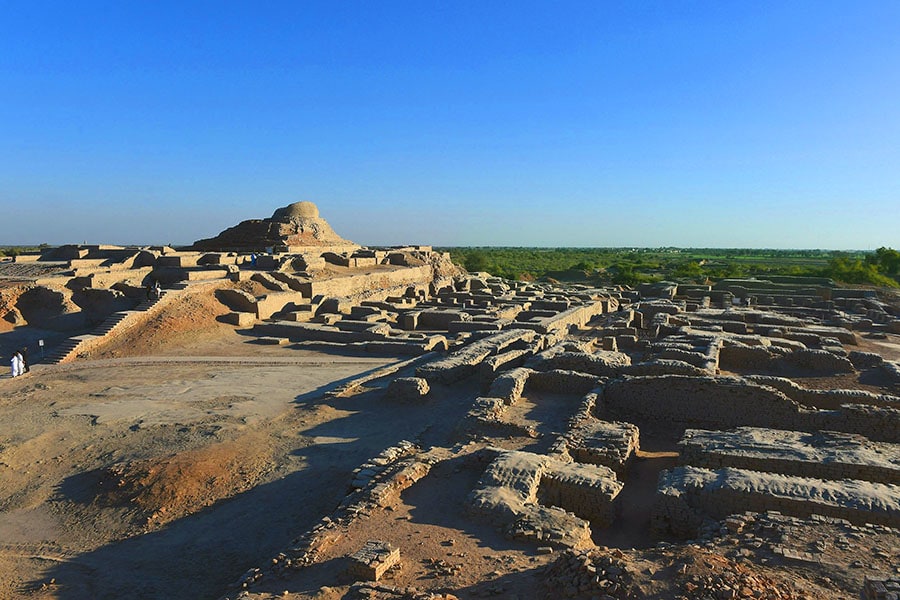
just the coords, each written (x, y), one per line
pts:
(16, 364)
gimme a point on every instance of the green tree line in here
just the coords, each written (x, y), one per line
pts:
(633, 266)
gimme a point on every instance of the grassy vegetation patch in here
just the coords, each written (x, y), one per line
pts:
(630, 266)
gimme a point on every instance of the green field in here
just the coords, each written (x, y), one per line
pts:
(630, 266)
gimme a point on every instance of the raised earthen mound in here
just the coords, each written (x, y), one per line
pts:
(295, 225)
(161, 490)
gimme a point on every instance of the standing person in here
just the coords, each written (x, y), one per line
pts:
(16, 364)
(157, 292)
(24, 354)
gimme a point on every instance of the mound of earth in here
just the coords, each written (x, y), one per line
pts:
(165, 489)
(186, 322)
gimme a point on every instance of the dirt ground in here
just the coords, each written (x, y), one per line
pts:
(183, 453)
(169, 467)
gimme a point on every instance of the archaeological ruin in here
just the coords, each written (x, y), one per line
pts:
(570, 441)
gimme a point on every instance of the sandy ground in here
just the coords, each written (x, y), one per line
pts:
(168, 476)
(182, 454)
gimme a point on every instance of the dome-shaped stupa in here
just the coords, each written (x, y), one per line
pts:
(291, 227)
(297, 210)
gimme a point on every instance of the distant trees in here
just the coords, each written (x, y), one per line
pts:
(476, 260)
(688, 270)
(886, 260)
(17, 250)
(855, 270)
(881, 268)
(632, 266)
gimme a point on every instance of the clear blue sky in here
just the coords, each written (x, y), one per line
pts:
(682, 123)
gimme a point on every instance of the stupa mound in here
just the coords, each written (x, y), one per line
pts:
(294, 227)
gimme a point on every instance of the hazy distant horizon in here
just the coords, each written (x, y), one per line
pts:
(478, 246)
(535, 124)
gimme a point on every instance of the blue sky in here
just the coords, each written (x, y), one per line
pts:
(715, 124)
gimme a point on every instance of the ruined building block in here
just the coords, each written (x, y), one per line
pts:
(588, 491)
(538, 498)
(688, 495)
(823, 454)
(408, 388)
(608, 443)
(371, 561)
(241, 319)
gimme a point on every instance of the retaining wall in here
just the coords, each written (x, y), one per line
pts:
(687, 495)
(821, 455)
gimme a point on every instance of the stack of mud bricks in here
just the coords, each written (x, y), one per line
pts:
(881, 589)
(372, 561)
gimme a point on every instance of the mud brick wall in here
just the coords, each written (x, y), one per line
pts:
(583, 414)
(463, 362)
(588, 491)
(275, 302)
(892, 370)
(611, 444)
(718, 401)
(439, 319)
(738, 356)
(507, 360)
(486, 408)
(663, 366)
(511, 384)
(687, 495)
(820, 455)
(407, 348)
(876, 423)
(577, 316)
(698, 359)
(507, 495)
(723, 402)
(510, 481)
(376, 285)
(563, 382)
(316, 332)
(826, 399)
(606, 364)
(819, 361)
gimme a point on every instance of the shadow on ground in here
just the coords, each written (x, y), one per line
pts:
(199, 556)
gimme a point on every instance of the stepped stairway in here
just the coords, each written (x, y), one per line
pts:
(70, 346)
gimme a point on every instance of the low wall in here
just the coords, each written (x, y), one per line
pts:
(820, 455)
(463, 362)
(604, 364)
(588, 491)
(378, 284)
(276, 302)
(489, 368)
(608, 443)
(663, 366)
(687, 495)
(736, 357)
(529, 497)
(577, 316)
(825, 399)
(817, 361)
(718, 401)
(563, 382)
(313, 332)
(724, 402)
(511, 384)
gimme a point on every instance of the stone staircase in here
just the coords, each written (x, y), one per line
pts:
(71, 346)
